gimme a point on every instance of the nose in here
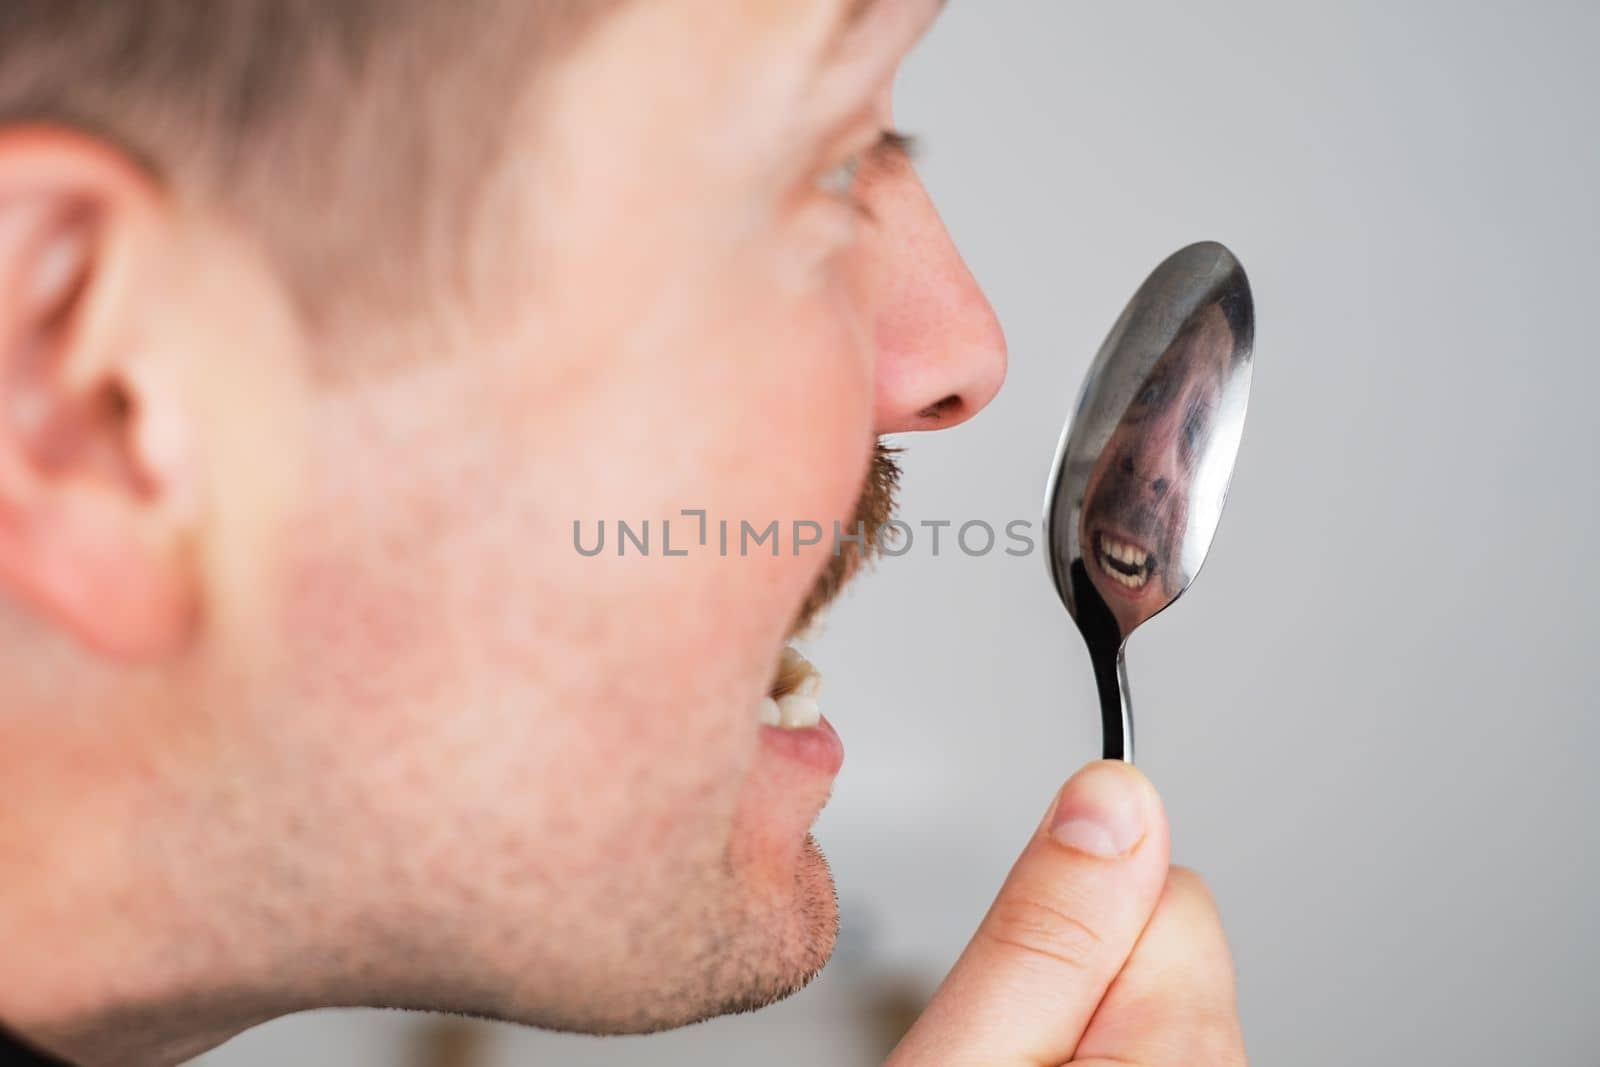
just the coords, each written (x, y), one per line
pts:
(941, 354)
(1148, 471)
(1154, 454)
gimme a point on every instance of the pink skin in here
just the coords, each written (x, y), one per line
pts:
(372, 709)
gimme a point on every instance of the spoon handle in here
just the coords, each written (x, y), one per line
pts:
(1116, 712)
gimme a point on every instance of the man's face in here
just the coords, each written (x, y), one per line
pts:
(1135, 511)
(528, 783)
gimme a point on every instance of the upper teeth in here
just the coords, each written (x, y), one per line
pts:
(797, 708)
(1125, 552)
(798, 712)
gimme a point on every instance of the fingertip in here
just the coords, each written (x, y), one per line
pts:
(1191, 884)
(1106, 810)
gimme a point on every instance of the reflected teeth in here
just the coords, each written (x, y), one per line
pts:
(792, 704)
(1130, 580)
(1126, 563)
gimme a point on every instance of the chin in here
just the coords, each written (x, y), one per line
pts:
(779, 943)
(797, 937)
(817, 909)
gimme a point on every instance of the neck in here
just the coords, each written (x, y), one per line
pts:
(113, 952)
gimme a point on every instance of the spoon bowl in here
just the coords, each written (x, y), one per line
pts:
(1143, 468)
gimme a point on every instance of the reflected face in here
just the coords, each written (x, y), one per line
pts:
(1136, 505)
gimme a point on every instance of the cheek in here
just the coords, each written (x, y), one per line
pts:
(448, 652)
(465, 694)
(812, 439)
(825, 403)
(756, 410)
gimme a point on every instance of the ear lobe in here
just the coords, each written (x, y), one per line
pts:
(94, 522)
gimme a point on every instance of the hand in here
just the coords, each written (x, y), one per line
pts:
(1095, 953)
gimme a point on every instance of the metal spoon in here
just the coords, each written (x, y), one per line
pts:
(1143, 468)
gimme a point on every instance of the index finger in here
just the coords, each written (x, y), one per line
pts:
(1175, 1000)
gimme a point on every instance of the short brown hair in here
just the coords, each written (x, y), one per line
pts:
(347, 133)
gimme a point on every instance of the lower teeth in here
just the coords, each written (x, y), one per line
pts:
(1132, 581)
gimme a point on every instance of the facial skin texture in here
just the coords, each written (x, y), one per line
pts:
(308, 700)
(1138, 492)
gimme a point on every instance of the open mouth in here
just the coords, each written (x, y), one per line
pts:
(791, 700)
(1124, 562)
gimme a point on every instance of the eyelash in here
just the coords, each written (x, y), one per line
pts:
(842, 180)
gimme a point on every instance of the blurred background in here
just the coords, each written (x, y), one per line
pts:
(1372, 718)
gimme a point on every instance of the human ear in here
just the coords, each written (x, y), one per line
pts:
(98, 502)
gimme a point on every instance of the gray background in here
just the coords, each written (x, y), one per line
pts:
(1371, 718)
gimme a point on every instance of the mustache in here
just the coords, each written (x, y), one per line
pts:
(1120, 498)
(873, 510)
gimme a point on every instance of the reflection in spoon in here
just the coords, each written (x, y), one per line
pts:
(1143, 469)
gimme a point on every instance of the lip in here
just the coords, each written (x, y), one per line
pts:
(818, 747)
(1113, 586)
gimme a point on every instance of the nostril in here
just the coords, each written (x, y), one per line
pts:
(947, 408)
(1159, 487)
(1127, 464)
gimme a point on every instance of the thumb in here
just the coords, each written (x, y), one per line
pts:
(1065, 922)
